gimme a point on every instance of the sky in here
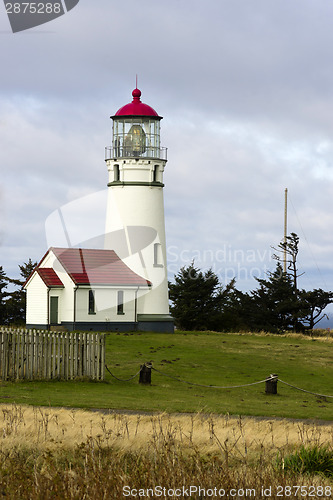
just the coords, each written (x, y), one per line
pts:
(245, 88)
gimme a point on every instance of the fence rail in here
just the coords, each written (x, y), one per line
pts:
(39, 354)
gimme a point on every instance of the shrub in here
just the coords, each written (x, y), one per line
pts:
(309, 460)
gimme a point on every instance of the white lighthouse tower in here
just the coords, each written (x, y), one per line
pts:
(135, 227)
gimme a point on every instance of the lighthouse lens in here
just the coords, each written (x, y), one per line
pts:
(135, 141)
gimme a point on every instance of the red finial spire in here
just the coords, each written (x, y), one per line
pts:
(136, 92)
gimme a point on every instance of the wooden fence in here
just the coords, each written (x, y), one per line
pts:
(39, 354)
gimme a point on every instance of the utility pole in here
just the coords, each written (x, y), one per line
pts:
(285, 231)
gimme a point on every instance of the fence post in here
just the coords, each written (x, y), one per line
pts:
(271, 384)
(145, 374)
(4, 355)
(102, 358)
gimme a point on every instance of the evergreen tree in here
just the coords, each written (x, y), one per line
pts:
(3, 296)
(238, 313)
(289, 250)
(197, 299)
(200, 302)
(312, 304)
(279, 304)
(275, 304)
(16, 303)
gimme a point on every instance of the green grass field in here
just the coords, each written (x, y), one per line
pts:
(204, 358)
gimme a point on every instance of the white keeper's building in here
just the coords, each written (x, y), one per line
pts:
(123, 286)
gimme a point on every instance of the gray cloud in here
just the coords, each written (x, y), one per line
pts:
(245, 89)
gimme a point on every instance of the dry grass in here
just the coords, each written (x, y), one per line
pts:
(59, 453)
(50, 428)
(316, 334)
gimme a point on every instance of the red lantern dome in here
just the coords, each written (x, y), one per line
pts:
(136, 108)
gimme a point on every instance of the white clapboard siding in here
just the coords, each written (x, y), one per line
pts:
(37, 299)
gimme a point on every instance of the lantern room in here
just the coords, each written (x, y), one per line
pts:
(136, 131)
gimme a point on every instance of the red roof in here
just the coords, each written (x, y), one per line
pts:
(97, 267)
(136, 108)
(50, 277)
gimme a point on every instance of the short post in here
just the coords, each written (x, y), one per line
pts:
(271, 384)
(145, 374)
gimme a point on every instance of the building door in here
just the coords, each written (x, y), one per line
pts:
(54, 310)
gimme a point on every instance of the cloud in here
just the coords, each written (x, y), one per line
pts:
(245, 89)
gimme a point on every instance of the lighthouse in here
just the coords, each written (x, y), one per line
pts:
(135, 223)
(122, 286)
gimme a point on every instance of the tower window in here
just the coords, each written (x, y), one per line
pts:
(155, 173)
(157, 255)
(120, 302)
(116, 173)
(91, 302)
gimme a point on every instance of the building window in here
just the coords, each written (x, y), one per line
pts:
(116, 177)
(157, 255)
(120, 302)
(91, 302)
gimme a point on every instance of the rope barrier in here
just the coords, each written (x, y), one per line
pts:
(121, 379)
(210, 386)
(272, 378)
(303, 390)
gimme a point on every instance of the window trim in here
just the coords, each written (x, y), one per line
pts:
(157, 253)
